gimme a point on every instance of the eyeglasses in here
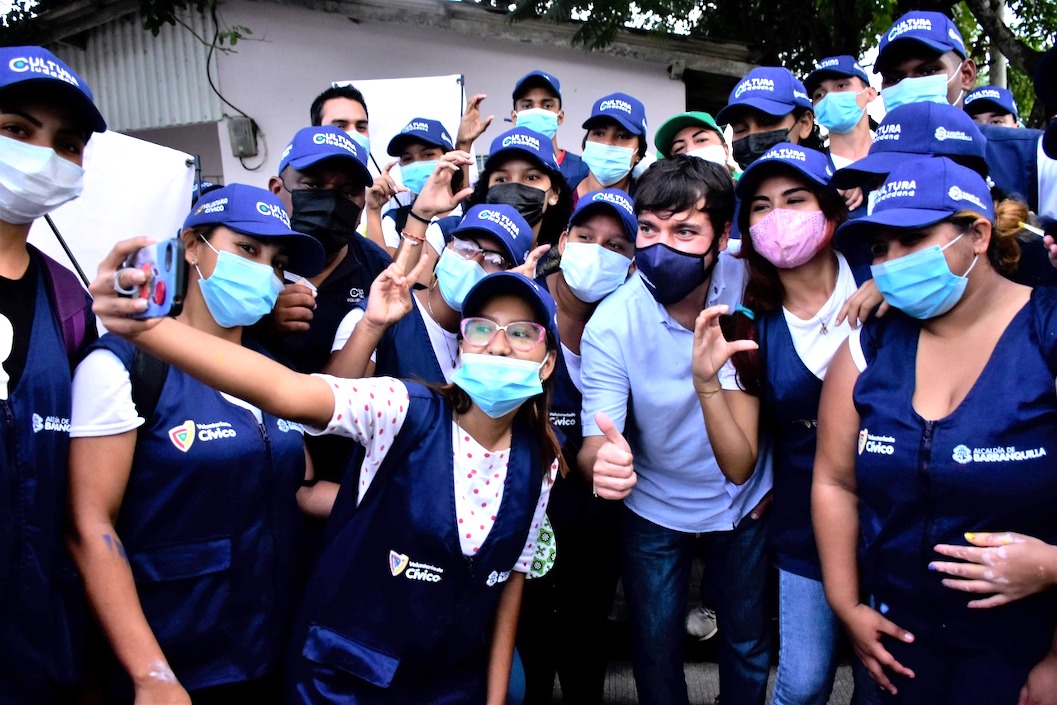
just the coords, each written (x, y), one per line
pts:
(523, 336)
(468, 249)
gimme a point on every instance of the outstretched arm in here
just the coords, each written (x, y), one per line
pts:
(218, 363)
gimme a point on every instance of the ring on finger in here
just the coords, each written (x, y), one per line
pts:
(117, 284)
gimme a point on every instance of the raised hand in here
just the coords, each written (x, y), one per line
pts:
(472, 126)
(436, 196)
(390, 297)
(383, 189)
(528, 267)
(1006, 566)
(711, 349)
(614, 469)
(114, 310)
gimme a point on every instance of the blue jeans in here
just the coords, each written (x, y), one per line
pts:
(809, 636)
(656, 572)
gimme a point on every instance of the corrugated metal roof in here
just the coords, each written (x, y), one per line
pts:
(141, 81)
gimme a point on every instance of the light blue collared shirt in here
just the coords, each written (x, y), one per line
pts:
(637, 357)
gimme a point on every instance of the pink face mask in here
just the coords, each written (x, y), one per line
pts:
(788, 238)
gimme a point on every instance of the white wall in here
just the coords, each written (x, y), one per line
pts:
(302, 51)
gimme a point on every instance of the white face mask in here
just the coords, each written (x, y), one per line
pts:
(34, 181)
(715, 153)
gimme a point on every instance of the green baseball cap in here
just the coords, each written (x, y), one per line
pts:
(666, 133)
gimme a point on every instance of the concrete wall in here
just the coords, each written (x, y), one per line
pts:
(300, 51)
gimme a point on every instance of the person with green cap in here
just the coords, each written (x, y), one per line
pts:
(697, 134)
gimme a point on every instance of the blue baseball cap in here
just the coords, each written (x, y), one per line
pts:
(422, 130)
(809, 163)
(922, 193)
(503, 223)
(612, 201)
(990, 99)
(312, 145)
(842, 66)
(32, 65)
(259, 213)
(933, 30)
(520, 140)
(514, 284)
(770, 89)
(626, 110)
(915, 131)
(537, 79)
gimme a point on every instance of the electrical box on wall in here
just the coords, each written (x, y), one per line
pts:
(242, 134)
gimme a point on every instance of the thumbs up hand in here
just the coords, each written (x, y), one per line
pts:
(614, 470)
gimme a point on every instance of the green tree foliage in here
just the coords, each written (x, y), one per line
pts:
(797, 33)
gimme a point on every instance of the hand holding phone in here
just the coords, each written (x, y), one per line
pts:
(165, 268)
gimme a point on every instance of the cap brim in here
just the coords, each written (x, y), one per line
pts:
(307, 162)
(902, 218)
(631, 227)
(666, 133)
(761, 169)
(305, 254)
(509, 283)
(881, 64)
(878, 164)
(771, 107)
(517, 151)
(398, 143)
(82, 105)
(815, 78)
(535, 81)
(624, 122)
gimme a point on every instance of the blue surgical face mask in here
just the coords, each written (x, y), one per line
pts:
(363, 140)
(497, 384)
(593, 271)
(538, 120)
(923, 89)
(839, 112)
(238, 292)
(415, 174)
(608, 163)
(669, 274)
(921, 284)
(456, 276)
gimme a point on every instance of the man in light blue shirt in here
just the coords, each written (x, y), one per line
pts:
(637, 383)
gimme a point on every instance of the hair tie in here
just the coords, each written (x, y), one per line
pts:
(745, 312)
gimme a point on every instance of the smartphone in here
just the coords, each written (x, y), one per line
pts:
(165, 267)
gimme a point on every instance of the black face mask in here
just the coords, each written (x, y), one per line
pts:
(526, 200)
(749, 149)
(327, 216)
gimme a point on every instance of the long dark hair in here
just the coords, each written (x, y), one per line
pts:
(555, 217)
(764, 291)
(535, 413)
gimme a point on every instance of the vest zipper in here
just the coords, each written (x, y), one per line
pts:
(269, 500)
(924, 477)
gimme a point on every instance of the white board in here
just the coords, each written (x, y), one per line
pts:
(393, 102)
(131, 188)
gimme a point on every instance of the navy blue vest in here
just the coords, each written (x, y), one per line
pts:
(1013, 161)
(42, 612)
(394, 612)
(211, 526)
(789, 410)
(405, 351)
(573, 169)
(991, 465)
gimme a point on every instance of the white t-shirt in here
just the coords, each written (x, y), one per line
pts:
(372, 411)
(815, 350)
(1047, 184)
(839, 162)
(102, 398)
(573, 363)
(445, 344)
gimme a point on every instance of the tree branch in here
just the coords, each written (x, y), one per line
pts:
(1018, 52)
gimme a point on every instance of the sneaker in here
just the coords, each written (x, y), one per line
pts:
(701, 623)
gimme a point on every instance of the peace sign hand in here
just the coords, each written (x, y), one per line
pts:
(711, 349)
(390, 297)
